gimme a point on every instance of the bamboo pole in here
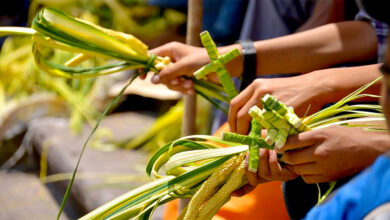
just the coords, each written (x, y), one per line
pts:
(194, 27)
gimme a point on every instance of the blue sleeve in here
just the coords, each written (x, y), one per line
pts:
(358, 197)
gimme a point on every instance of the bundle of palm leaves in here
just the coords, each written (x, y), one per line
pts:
(198, 167)
(131, 16)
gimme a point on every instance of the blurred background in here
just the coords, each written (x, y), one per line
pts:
(45, 119)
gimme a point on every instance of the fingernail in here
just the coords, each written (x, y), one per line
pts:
(174, 82)
(187, 85)
(156, 79)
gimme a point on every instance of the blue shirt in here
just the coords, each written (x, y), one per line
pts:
(357, 198)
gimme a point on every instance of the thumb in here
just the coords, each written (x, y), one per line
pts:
(166, 50)
(297, 141)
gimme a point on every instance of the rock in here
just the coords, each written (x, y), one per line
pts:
(23, 196)
(89, 190)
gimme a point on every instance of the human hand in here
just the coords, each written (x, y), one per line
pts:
(331, 153)
(185, 61)
(299, 92)
(269, 169)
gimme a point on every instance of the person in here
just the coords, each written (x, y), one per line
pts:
(263, 20)
(302, 52)
(314, 156)
(316, 88)
(279, 12)
(368, 194)
(270, 19)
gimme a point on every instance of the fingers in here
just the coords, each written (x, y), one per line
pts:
(143, 76)
(239, 118)
(166, 50)
(263, 169)
(270, 169)
(274, 166)
(155, 79)
(277, 171)
(236, 105)
(183, 62)
(177, 84)
(307, 169)
(180, 68)
(301, 156)
(243, 117)
(247, 188)
(288, 172)
(183, 86)
(299, 141)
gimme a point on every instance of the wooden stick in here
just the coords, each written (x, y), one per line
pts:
(194, 27)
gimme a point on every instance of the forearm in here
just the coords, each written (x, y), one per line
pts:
(339, 82)
(318, 48)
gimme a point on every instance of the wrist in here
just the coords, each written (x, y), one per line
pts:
(327, 87)
(249, 55)
(320, 88)
(380, 142)
(234, 67)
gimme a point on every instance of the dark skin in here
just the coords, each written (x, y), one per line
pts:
(314, 156)
(328, 154)
(302, 52)
(306, 93)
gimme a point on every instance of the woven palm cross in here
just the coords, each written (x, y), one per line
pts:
(217, 64)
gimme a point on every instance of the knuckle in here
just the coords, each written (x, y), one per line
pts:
(164, 73)
(173, 88)
(321, 154)
(262, 88)
(173, 44)
(234, 103)
(321, 134)
(262, 154)
(242, 114)
(273, 161)
(257, 83)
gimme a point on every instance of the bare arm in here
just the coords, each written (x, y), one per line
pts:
(314, 89)
(322, 47)
(343, 81)
(319, 48)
